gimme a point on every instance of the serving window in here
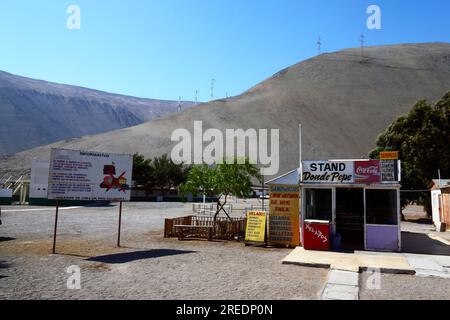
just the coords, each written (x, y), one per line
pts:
(318, 204)
(381, 207)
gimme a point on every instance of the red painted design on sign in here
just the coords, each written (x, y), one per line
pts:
(367, 171)
(316, 236)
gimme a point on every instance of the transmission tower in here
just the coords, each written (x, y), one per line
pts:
(319, 46)
(362, 41)
(212, 88)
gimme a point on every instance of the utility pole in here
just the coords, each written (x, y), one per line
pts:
(212, 88)
(319, 46)
(196, 96)
(362, 41)
(179, 103)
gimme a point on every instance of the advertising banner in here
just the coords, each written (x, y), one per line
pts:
(284, 216)
(367, 171)
(85, 175)
(328, 172)
(256, 226)
(389, 171)
(389, 155)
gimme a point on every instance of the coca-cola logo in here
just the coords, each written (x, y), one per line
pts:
(372, 170)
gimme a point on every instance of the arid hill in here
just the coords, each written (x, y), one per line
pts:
(36, 112)
(342, 99)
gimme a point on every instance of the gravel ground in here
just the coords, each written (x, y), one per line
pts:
(406, 287)
(148, 267)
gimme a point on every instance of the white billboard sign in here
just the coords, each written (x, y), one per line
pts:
(88, 175)
(328, 172)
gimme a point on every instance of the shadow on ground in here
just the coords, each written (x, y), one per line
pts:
(137, 255)
(420, 243)
(3, 239)
(3, 265)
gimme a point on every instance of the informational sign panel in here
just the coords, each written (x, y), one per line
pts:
(389, 170)
(256, 226)
(284, 216)
(367, 171)
(86, 175)
(351, 172)
(389, 155)
(328, 172)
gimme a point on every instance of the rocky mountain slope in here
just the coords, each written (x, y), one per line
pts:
(35, 112)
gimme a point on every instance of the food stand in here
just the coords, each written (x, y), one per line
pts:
(348, 204)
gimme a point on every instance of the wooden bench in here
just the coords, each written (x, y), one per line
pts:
(192, 231)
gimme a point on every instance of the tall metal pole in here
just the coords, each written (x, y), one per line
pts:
(56, 226)
(319, 46)
(362, 45)
(212, 88)
(263, 194)
(300, 150)
(120, 223)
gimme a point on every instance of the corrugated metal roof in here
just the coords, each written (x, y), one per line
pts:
(442, 183)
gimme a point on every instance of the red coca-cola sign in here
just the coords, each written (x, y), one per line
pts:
(367, 171)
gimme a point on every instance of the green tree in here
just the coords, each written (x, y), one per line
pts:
(161, 173)
(143, 172)
(225, 179)
(422, 138)
(167, 174)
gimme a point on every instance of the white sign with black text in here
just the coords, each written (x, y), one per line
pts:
(328, 172)
(87, 175)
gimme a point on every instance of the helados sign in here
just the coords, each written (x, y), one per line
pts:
(328, 172)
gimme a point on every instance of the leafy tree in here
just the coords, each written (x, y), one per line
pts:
(422, 138)
(161, 173)
(143, 172)
(167, 174)
(225, 179)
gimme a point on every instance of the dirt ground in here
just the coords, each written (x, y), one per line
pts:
(151, 267)
(406, 287)
(147, 267)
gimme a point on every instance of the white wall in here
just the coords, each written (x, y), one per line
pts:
(39, 179)
(5, 193)
(435, 205)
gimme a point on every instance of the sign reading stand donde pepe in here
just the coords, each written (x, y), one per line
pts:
(87, 175)
(351, 172)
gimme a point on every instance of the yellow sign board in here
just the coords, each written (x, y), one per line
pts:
(389, 155)
(284, 216)
(256, 226)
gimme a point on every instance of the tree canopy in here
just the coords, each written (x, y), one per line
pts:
(224, 179)
(422, 138)
(160, 174)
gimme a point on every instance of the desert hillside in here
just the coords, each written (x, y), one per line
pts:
(342, 100)
(36, 112)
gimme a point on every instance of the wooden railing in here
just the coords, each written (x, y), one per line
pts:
(222, 229)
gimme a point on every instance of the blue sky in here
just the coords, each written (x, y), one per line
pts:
(168, 48)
